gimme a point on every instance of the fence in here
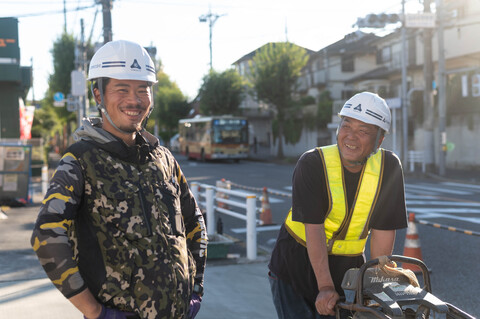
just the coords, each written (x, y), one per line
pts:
(211, 194)
(416, 157)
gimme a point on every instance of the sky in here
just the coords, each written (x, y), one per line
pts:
(182, 41)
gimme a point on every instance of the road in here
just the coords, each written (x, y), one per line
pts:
(452, 256)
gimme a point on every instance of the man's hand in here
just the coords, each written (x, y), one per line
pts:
(326, 299)
(194, 306)
(108, 313)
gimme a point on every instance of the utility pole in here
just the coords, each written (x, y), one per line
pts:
(83, 65)
(77, 100)
(428, 108)
(442, 86)
(211, 18)
(33, 86)
(64, 17)
(107, 19)
(404, 88)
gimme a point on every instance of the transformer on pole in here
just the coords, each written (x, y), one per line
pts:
(211, 18)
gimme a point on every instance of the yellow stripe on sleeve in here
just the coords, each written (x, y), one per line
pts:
(37, 244)
(65, 275)
(63, 224)
(57, 196)
(69, 154)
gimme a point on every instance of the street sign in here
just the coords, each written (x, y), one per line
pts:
(79, 83)
(59, 103)
(394, 103)
(73, 103)
(58, 97)
(420, 20)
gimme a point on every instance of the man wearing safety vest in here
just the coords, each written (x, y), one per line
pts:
(341, 194)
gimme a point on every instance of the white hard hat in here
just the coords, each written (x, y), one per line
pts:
(369, 108)
(122, 60)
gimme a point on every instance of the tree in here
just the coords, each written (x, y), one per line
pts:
(170, 105)
(221, 93)
(275, 69)
(50, 120)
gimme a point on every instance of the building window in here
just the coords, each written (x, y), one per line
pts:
(384, 55)
(347, 63)
(346, 94)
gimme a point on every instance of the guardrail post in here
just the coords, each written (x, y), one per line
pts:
(44, 179)
(195, 191)
(251, 227)
(209, 200)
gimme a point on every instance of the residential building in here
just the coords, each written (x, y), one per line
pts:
(362, 61)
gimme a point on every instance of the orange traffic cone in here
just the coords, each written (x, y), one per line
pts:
(266, 213)
(412, 244)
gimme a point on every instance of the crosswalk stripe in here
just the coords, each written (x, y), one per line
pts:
(442, 203)
(430, 188)
(468, 186)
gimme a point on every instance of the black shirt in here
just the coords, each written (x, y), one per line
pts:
(310, 203)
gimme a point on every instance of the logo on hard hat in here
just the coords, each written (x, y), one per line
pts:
(135, 65)
(113, 64)
(375, 115)
(357, 108)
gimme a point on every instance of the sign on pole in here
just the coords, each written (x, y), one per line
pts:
(420, 20)
(58, 97)
(394, 103)
(79, 83)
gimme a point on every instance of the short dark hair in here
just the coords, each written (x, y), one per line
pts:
(104, 84)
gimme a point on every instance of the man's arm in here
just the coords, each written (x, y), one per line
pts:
(194, 227)
(50, 238)
(381, 243)
(87, 304)
(318, 255)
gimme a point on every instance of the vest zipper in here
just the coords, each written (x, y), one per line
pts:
(144, 212)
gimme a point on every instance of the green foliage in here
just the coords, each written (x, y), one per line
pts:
(275, 69)
(417, 107)
(324, 111)
(459, 105)
(221, 93)
(63, 54)
(50, 120)
(170, 106)
(307, 100)
(292, 129)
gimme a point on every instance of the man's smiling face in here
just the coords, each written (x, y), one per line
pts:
(355, 140)
(127, 103)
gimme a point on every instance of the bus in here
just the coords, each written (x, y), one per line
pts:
(214, 137)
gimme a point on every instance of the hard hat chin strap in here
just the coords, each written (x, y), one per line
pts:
(101, 108)
(149, 113)
(374, 151)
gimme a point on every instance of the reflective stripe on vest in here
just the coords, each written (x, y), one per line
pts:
(346, 233)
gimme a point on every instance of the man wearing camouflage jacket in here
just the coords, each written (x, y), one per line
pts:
(119, 232)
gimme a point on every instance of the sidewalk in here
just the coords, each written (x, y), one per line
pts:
(233, 289)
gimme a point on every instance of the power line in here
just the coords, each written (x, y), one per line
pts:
(36, 14)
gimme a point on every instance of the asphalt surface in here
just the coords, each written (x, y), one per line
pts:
(234, 288)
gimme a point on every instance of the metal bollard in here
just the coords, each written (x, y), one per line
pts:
(209, 200)
(195, 187)
(252, 227)
(44, 179)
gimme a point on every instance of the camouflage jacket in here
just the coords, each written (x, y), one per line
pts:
(122, 221)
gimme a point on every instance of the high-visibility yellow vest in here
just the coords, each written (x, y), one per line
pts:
(346, 232)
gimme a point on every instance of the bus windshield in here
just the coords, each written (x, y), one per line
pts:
(229, 131)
